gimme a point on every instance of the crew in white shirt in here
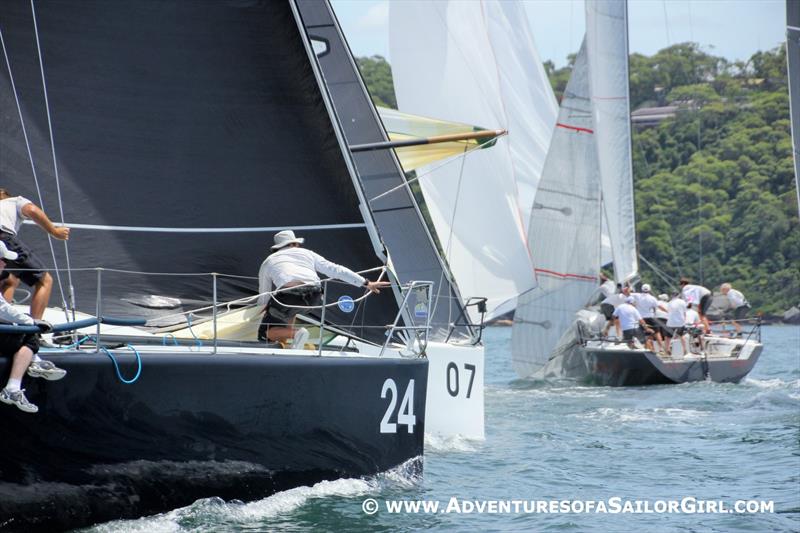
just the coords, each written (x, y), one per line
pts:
(292, 270)
(27, 267)
(633, 326)
(739, 304)
(698, 295)
(694, 326)
(676, 322)
(647, 305)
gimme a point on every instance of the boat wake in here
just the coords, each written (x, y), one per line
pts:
(451, 443)
(638, 415)
(218, 514)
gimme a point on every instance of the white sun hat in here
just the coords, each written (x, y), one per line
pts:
(286, 237)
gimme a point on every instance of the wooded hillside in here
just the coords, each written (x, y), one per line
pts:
(714, 185)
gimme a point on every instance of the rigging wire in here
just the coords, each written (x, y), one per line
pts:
(33, 165)
(71, 288)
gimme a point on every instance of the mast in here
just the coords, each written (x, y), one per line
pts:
(793, 63)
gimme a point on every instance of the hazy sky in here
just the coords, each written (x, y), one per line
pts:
(734, 29)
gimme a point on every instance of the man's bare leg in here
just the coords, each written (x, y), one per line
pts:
(10, 285)
(41, 295)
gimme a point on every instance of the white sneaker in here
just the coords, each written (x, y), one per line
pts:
(17, 398)
(300, 339)
(47, 370)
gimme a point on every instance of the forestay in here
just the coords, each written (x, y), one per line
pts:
(564, 231)
(607, 53)
(476, 62)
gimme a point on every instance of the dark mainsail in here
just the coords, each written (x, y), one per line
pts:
(397, 216)
(793, 61)
(185, 135)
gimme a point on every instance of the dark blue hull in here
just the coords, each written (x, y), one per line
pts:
(198, 425)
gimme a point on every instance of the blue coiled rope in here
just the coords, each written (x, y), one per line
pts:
(116, 365)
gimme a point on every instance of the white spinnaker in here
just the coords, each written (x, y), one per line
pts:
(475, 62)
(564, 231)
(607, 54)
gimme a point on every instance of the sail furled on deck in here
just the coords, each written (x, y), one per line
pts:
(607, 53)
(184, 138)
(413, 254)
(793, 64)
(564, 230)
(475, 62)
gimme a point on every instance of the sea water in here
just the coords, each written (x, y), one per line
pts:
(560, 446)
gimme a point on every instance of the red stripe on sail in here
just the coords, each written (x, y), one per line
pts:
(576, 128)
(563, 275)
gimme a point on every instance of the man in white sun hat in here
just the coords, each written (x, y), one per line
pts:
(21, 348)
(292, 271)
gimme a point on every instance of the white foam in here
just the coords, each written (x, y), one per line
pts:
(451, 443)
(278, 504)
(775, 383)
(638, 415)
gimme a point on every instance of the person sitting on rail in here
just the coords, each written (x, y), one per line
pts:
(21, 348)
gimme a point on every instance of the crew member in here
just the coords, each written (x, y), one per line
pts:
(292, 270)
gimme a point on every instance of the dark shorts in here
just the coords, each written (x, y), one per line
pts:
(674, 332)
(10, 343)
(607, 310)
(34, 269)
(635, 333)
(741, 312)
(705, 303)
(281, 307)
(656, 324)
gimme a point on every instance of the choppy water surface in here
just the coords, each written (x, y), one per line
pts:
(565, 442)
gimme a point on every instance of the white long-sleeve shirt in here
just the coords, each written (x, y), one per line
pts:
(11, 315)
(299, 264)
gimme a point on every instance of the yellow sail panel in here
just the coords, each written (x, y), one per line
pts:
(403, 126)
(413, 157)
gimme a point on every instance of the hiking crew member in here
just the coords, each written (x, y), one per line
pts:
(22, 347)
(13, 210)
(739, 303)
(294, 268)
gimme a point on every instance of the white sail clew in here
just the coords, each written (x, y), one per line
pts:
(607, 53)
(475, 62)
(564, 231)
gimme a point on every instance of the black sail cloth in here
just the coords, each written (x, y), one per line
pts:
(185, 135)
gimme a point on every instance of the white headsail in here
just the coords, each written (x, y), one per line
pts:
(475, 62)
(564, 230)
(607, 53)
